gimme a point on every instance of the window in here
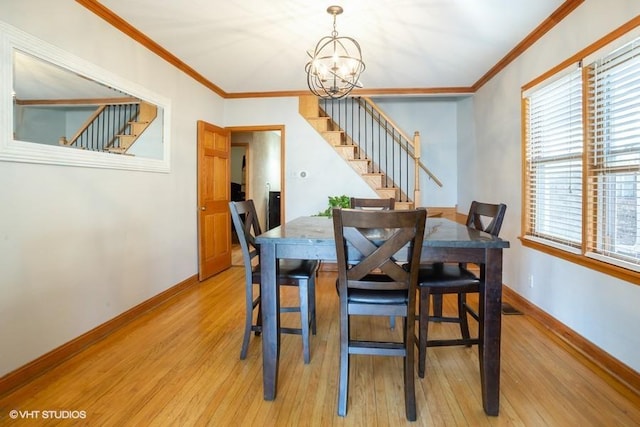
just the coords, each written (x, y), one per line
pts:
(613, 142)
(581, 164)
(554, 160)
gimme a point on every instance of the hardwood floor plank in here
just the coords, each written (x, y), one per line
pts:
(178, 364)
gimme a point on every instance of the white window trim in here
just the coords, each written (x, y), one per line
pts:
(553, 244)
(615, 261)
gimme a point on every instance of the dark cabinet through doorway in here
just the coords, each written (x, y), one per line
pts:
(273, 210)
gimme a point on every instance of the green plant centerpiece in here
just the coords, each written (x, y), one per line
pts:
(336, 202)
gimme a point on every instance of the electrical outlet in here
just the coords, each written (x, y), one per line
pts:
(531, 281)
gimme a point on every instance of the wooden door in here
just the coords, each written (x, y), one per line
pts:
(214, 194)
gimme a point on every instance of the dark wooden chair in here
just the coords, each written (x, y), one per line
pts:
(371, 282)
(300, 273)
(375, 204)
(372, 204)
(440, 279)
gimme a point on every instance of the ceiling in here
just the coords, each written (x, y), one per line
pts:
(254, 46)
(39, 81)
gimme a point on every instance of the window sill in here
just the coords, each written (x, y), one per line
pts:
(594, 264)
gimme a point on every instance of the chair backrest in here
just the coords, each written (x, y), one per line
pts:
(480, 213)
(372, 204)
(245, 221)
(367, 243)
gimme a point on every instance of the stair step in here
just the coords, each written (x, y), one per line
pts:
(347, 152)
(148, 112)
(386, 193)
(118, 150)
(373, 179)
(308, 105)
(333, 137)
(127, 141)
(138, 127)
(403, 206)
(359, 165)
(321, 124)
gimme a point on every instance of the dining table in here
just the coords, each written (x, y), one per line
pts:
(312, 237)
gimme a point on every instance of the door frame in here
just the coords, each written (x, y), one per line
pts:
(266, 128)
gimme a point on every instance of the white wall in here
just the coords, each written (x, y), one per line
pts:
(602, 309)
(79, 246)
(436, 119)
(466, 155)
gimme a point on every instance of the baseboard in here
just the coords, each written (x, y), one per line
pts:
(58, 355)
(623, 374)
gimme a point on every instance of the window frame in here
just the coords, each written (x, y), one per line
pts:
(581, 255)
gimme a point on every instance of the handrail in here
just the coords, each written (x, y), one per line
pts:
(387, 118)
(86, 124)
(388, 150)
(372, 104)
(105, 126)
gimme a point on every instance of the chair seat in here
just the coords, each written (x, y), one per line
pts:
(291, 269)
(377, 297)
(453, 277)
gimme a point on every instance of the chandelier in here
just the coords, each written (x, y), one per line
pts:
(335, 65)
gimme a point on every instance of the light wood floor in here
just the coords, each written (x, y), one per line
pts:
(178, 365)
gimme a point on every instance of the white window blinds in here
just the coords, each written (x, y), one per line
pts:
(613, 144)
(553, 160)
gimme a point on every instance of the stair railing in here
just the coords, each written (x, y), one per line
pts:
(390, 151)
(101, 130)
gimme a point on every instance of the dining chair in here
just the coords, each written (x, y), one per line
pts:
(440, 279)
(372, 204)
(372, 283)
(300, 273)
(375, 204)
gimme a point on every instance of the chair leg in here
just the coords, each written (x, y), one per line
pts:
(423, 330)
(409, 379)
(312, 303)
(303, 288)
(343, 388)
(437, 306)
(259, 319)
(462, 315)
(248, 320)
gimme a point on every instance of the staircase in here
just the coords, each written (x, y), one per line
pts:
(114, 127)
(146, 114)
(386, 159)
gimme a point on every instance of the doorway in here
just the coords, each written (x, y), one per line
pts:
(257, 157)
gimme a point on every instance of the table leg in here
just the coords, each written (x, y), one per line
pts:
(270, 300)
(489, 348)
